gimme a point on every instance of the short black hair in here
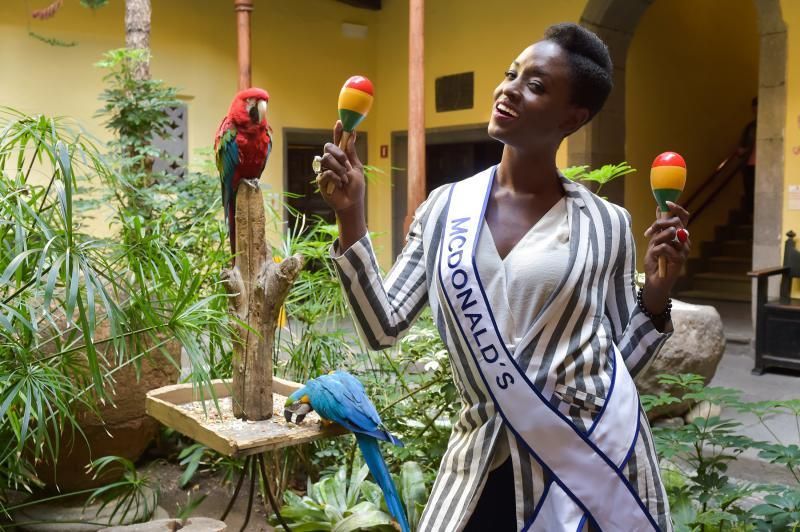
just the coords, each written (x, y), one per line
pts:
(590, 62)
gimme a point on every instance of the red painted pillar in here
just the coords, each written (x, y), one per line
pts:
(243, 9)
(416, 107)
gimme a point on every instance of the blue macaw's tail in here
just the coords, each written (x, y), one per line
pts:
(391, 438)
(377, 466)
(379, 433)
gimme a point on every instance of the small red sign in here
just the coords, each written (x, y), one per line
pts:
(384, 151)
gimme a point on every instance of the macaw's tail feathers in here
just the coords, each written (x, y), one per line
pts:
(233, 240)
(391, 438)
(380, 433)
(231, 219)
(377, 466)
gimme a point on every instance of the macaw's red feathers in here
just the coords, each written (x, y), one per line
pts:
(242, 147)
(238, 106)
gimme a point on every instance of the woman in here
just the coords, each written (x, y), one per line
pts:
(530, 278)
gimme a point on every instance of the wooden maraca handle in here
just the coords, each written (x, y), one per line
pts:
(342, 144)
(662, 261)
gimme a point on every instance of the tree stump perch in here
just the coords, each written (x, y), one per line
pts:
(258, 287)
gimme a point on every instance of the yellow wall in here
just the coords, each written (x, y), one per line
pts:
(39, 78)
(791, 218)
(692, 70)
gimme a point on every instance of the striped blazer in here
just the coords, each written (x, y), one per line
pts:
(569, 358)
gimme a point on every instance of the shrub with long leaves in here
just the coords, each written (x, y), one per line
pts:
(58, 285)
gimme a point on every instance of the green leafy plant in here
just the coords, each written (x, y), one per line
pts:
(94, 4)
(698, 454)
(52, 41)
(701, 493)
(315, 342)
(157, 211)
(601, 176)
(132, 499)
(54, 289)
(192, 503)
(196, 457)
(133, 494)
(421, 398)
(135, 110)
(413, 491)
(191, 457)
(338, 504)
(780, 511)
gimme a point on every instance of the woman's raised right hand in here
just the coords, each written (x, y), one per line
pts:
(344, 169)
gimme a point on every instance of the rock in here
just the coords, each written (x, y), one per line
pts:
(60, 517)
(193, 524)
(704, 410)
(204, 524)
(160, 525)
(696, 346)
(123, 428)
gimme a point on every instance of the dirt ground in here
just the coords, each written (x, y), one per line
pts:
(218, 493)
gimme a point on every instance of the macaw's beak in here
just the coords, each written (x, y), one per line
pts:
(262, 110)
(300, 409)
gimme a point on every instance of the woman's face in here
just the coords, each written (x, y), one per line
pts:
(532, 107)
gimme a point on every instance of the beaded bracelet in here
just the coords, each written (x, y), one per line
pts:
(665, 315)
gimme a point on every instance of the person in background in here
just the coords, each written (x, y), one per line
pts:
(747, 147)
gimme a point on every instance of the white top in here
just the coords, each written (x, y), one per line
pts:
(520, 285)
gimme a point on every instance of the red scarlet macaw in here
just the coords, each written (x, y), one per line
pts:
(242, 145)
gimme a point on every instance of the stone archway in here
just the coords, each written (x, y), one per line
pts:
(603, 140)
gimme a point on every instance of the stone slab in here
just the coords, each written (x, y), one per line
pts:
(193, 524)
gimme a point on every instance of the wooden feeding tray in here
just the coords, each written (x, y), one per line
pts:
(175, 406)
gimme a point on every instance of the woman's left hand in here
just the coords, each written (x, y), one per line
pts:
(664, 243)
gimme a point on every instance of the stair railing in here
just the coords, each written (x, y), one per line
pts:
(729, 168)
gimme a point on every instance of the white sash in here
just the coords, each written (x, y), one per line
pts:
(585, 468)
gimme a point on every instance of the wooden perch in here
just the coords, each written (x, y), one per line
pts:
(258, 287)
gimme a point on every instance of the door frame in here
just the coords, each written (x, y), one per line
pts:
(399, 146)
(296, 135)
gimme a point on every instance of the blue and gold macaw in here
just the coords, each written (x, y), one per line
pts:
(340, 397)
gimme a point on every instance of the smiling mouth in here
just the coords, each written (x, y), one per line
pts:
(505, 110)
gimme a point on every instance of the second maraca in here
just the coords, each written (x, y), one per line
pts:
(667, 179)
